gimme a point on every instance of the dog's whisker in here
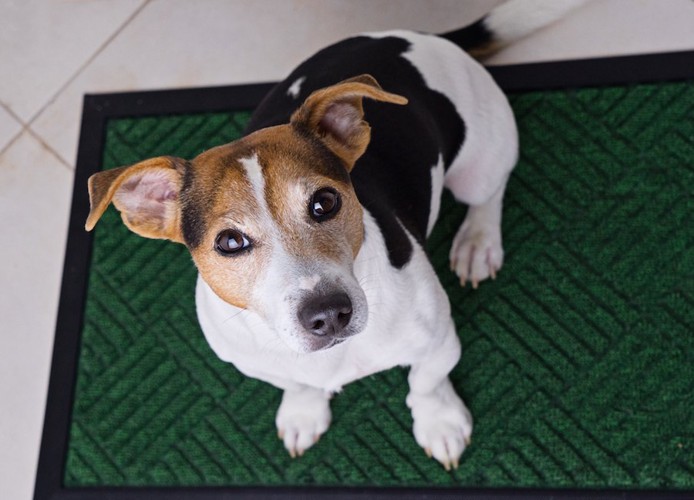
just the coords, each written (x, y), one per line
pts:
(236, 314)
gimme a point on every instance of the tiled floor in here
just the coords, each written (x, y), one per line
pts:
(52, 52)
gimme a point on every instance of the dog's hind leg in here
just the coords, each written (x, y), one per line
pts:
(477, 177)
(302, 417)
(442, 423)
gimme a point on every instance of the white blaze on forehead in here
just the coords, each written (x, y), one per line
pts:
(254, 172)
(295, 87)
(278, 269)
(294, 193)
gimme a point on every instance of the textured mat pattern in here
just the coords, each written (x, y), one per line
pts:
(578, 361)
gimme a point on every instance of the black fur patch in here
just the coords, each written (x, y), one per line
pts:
(472, 36)
(192, 210)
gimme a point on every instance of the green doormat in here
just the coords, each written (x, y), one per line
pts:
(577, 364)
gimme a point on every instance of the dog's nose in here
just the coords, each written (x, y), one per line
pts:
(326, 314)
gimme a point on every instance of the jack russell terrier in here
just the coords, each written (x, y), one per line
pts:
(308, 232)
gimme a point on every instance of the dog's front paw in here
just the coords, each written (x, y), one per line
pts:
(301, 418)
(476, 253)
(442, 426)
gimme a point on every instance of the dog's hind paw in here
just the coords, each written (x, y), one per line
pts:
(301, 418)
(476, 253)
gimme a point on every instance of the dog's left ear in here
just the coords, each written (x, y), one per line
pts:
(335, 114)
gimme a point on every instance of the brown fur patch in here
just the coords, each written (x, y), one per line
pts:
(222, 198)
(297, 165)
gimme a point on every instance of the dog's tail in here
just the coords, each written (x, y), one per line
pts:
(507, 23)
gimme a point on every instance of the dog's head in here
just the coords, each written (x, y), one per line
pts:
(271, 220)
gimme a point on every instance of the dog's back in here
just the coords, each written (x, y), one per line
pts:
(418, 143)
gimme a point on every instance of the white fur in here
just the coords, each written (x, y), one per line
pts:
(295, 88)
(302, 417)
(515, 19)
(437, 174)
(254, 173)
(308, 283)
(476, 253)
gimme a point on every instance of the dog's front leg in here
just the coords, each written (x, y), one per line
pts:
(442, 423)
(302, 417)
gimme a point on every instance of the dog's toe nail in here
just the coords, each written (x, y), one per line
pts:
(280, 433)
(446, 465)
(428, 452)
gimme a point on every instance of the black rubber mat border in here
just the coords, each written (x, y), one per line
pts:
(99, 108)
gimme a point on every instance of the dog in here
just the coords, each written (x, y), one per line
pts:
(308, 232)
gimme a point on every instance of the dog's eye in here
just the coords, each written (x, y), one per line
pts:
(325, 203)
(231, 241)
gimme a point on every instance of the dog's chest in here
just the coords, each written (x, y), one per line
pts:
(329, 370)
(251, 346)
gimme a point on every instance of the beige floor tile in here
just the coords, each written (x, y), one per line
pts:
(178, 43)
(232, 42)
(604, 28)
(35, 191)
(43, 43)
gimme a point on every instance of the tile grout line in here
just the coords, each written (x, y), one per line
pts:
(80, 70)
(14, 137)
(91, 59)
(48, 148)
(32, 133)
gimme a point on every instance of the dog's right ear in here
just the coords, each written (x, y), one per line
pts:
(335, 114)
(146, 194)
